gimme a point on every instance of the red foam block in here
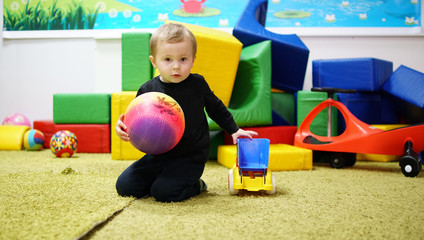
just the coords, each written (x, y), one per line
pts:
(276, 134)
(92, 138)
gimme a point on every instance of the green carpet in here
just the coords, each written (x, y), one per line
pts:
(369, 201)
(44, 197)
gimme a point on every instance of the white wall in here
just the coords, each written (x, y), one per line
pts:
(32, 70)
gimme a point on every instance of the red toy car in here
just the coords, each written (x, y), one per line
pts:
(360, 137)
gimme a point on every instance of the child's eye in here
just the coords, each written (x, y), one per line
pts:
(183, 59)
(167, 59)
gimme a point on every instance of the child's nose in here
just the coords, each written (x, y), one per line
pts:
(176, 66)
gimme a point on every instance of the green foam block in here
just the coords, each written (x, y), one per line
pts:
(306, 101)
(250, 101)
(81, 108)
(284, 105)
(136, 66)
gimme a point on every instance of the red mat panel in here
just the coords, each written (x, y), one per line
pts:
(276, 134)
(92, 138)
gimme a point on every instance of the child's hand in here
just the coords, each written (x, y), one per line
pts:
(242, 132)
(121, 129)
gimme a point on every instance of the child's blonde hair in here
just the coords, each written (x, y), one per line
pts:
(171, 33)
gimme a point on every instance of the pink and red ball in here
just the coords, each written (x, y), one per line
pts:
(155, 122)
(63, 144)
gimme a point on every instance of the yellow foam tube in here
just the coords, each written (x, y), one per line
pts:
(11, 137)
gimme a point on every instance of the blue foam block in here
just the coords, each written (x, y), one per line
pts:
(371, 108)
(362, 74)
(406, 85)
(289, 53)
(283, 109)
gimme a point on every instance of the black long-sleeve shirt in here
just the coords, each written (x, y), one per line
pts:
(194, 96)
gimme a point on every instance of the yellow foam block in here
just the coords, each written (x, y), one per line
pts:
(387, 127)
(121, 150)
(218, 55)
(381, 157)
(282, 157)
(11, 137)
(376, 157)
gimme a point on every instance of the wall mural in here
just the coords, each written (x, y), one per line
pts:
(27, 15)
(344, 13)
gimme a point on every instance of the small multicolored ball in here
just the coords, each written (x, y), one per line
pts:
(17, 119)
(63, 144)
(33, 140)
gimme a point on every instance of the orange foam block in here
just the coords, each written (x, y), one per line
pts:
(92, 138)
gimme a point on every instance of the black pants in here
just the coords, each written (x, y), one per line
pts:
(167, 180)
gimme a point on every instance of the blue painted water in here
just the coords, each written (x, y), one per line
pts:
(323, 13)
(347, 13)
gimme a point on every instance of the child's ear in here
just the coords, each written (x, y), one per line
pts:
(153, 61)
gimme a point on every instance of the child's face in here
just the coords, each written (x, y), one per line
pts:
(173, 60)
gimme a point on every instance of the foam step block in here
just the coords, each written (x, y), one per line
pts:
(81, 108)
(282, 157)
(122, 150)
(306, 101)
(217, 139)
(380, 157)
(276, 134)
(362, 74)
(406, 85)
(136, 66)
(219, 71)
(369, 107)
(251, 97)
(92, 138)
(277, 120)
(283, 104)
(11, 137)
(289, 53)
